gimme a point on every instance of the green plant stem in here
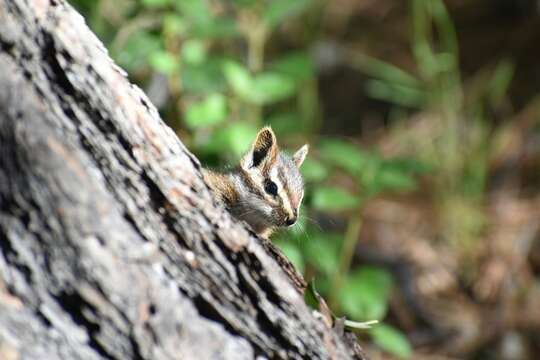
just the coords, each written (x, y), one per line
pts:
(351, 238)
(256, 40)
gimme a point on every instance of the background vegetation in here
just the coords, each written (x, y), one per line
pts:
(422, 202)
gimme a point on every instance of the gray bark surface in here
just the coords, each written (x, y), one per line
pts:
(111, 244)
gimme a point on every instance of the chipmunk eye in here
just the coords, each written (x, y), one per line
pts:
(270, 187)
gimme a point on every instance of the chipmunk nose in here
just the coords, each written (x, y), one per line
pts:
(290, 221)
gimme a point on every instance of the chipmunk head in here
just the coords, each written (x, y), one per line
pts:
(273, 185)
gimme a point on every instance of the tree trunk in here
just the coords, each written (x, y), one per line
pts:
(111, 244)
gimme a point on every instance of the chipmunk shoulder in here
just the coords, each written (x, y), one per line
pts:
(266, 188)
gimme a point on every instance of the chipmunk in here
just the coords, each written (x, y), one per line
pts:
(266, 188)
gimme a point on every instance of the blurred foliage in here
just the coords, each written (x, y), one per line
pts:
(222, 73)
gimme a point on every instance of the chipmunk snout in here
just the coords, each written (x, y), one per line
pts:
(291, 220)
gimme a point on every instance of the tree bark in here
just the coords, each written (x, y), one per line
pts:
(111, 244)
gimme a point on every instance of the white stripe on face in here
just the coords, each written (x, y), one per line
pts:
(300, 203)
(282, 194)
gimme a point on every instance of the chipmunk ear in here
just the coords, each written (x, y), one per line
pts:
(264, 149)
(300, 155)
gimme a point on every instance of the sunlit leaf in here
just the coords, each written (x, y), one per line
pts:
(241, 136)
(391, 340)
(286, 123)
(262, 89)
(271, 87)
(210, 111)
(194, 52)
(322, 250)
(163, 62)
(365, 293)
(235, 138)
(238, 78)
(135, 54)
(174, 24)
(314, 170)
(156, 3)
(333, 198)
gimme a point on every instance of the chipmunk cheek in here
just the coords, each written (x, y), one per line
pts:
(274, 217)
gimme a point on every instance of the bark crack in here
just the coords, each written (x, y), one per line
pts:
(75, 305)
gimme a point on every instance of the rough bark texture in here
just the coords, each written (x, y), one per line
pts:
(111, 245)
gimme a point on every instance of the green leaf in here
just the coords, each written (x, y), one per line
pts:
(238, 78)
(262, 89)
(345, 155)
(280, 10)
(202, 24)
(271, 87)
(244, 3)
(134, 55)
(311, 296)
(409, 165)
(299, 66)
(390, 73)
(203, 78)
(241, 136)
(217, 28)
(156, 3)
(195, 10)
(286, 123)
(365, 294)
(314, 170)
(500, 80)
(174, 24)
(333, 199)
(211, 111)
(323, 250)
(163, 62)
(391, 340)
(234, 138)
(392, 174)
(398, 94)
(395, 179)
(194, 52)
